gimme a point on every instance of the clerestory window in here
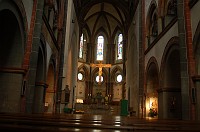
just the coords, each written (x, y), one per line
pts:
(100, 48)
(119, 47)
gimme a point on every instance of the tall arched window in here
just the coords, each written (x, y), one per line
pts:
(172, 8)
(81, 47)
(119, 47)
(152, 24)
(170, 11)
(100, 44)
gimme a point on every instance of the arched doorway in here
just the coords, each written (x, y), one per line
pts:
(50, 91)
(170, 92)
(11, 56)
(151, 89)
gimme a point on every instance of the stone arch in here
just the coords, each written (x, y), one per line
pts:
(83, 89)
(50, 93)
(12, 39)
(116, 90)
(40, 81)
(170, 82)
(196, 79)
(114, 71)
(84, 68)
(172, 45)
(152, 85)
(196, 40)
(152, 22)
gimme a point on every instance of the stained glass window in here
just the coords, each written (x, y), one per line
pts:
(81, 47)
(100, 44)
(119, 47)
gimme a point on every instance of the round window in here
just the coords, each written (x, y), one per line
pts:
(80, 76)
(119, 78)
(99, 79)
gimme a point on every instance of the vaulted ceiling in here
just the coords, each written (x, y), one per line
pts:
(105, 15)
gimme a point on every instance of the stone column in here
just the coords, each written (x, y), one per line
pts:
(40, 88)
(90, 54)
(34, 56)
(141, 57)
(183, 60)
(112, 52)
(61, 61)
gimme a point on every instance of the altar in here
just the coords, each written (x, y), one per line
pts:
(98, 105)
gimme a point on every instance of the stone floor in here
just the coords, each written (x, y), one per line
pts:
(98, 109)
(91, 123)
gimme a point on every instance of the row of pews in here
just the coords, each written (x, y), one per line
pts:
(91, 123)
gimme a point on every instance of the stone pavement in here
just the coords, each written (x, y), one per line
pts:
(91, 123)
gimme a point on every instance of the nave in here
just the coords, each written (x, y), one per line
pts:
(91, 123)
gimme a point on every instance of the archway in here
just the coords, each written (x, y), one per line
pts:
(116, 90)
(170, 92)
(11, 56)
(151, 89)
(50, 91)
(83, 92)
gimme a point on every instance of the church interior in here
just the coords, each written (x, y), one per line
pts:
(135, 62)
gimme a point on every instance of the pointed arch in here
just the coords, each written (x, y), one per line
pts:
(152, 22)
(196, 40)
(13, 36)
(171, 46)
(50, 94)
(170, 105)
(83, 69)
(116, 70)
(151, 87)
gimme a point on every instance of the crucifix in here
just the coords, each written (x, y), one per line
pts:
(100, 66)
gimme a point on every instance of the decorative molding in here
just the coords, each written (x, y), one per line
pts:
(196, 78)
(43, 84)
(13, 70)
